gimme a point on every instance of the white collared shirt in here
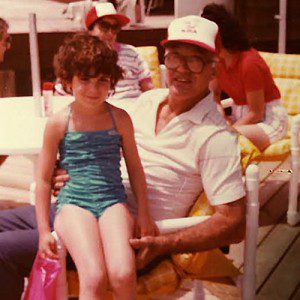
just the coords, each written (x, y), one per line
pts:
(194, 151)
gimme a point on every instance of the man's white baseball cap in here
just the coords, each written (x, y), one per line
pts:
(193, 30)
(101, 10)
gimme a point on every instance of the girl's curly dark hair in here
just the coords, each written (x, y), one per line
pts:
(234, 37)
(86, 56)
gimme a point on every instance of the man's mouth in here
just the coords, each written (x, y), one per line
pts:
(182, 80)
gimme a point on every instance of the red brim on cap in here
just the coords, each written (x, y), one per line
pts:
(92, 17)
(167, 42)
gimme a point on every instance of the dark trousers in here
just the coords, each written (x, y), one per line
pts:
(18, 247)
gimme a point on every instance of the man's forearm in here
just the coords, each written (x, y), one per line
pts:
(224, 227)
(208, 235)
(217, 231)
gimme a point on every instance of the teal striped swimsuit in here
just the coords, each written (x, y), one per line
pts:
(92, 160)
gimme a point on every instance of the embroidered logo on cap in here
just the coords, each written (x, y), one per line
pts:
(190, 28)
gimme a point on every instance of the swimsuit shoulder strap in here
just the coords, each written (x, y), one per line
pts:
(112, 117)
(68, 117)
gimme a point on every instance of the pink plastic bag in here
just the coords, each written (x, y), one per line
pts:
(42, 280)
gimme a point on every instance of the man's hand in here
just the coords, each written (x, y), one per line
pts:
(60, 176)
(148, 248)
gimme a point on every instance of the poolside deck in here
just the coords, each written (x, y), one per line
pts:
(278, 245)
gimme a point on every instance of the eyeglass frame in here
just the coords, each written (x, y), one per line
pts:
(183, 58)
(116, 28)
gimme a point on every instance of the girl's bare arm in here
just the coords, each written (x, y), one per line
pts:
(136, 175)
(47, 159)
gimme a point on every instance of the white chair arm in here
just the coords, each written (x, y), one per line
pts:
(252, 214)
(293, 215)
(171, 225)
(295, 130)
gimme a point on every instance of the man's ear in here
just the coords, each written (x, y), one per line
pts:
(213, 70)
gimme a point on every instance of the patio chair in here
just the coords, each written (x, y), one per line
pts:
(166, 277)
(285, 69)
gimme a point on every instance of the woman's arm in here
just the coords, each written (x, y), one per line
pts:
(256, 104)
(46, 164)
(216, 90)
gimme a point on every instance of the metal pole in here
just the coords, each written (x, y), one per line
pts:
(34, 59)
(281, 17)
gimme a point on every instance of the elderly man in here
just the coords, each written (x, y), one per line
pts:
(5, 41)
(185, 148)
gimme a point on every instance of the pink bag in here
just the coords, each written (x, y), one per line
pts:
(42, 280)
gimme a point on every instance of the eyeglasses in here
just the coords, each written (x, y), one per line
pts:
(105, 26)
(194, 63)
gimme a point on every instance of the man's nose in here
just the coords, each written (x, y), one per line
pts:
(183, 66)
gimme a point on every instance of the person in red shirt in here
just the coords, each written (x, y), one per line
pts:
(244, 76)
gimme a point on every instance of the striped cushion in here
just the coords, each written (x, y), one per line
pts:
(290, 94)
(278, 151)
(150, 55)
(283, 65)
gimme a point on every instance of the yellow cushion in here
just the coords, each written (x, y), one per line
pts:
(205, 264)
(249, 152)
(162, 279)
(278, 151)
(290, 94)
(150, 55)
(283, 65)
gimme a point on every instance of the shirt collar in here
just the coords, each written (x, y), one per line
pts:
(200, 110)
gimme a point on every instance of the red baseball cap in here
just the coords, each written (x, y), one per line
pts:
(193, 30)
(101, 10)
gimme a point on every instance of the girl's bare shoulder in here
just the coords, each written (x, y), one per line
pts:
(58, 121)
(119, 113)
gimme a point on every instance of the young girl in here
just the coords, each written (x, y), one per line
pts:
(92, 218)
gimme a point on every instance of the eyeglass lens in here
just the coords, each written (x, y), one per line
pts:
(194, 63)
(107, 26)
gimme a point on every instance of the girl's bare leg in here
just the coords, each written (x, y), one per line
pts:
(255, 134)
(79, 231)
(116, 227)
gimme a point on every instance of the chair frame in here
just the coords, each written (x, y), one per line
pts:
(249, 276)
(293, 215)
